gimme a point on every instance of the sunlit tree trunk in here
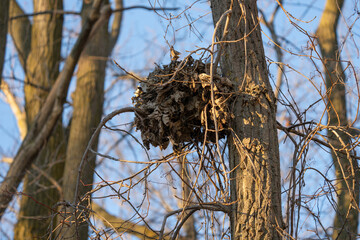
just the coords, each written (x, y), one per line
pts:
(346, 168)
(41, 68)
(88, 103)
(253, 145)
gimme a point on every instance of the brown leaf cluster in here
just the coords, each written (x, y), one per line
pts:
(177, 101)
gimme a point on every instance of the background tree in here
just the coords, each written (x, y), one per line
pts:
(4, 15)
(45, 120)
(88, 104)
(44, 73)
(44, 59)
(41, 66)
(346, 167)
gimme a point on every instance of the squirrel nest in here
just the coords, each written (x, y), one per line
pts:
(176, 100)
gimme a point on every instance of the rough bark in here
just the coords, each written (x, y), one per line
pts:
(347, 176)
(4, 16)
(88, 103)
(253, 145)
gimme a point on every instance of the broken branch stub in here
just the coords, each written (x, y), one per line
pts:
(176, 100)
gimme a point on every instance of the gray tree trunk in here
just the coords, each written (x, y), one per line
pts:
(253, 145)
(346, 168)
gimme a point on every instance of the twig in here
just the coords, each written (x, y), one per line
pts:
(289, 129)
(205, 206)
(182, 223)
(213, 85)
(93, 138)
(128, 73)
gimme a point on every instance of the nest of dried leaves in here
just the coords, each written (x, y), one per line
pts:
(176, 100)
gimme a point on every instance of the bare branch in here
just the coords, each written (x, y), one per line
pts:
(16, 109)
(119, 224)
(208, 206)
(279, 54)
(121, 9)
(94, 137)
(116, 24)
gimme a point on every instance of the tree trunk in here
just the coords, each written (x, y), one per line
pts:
(42, 69)
(20, 31)
(346, 168)
(88, 103)
(4, 16)
(253, 145)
